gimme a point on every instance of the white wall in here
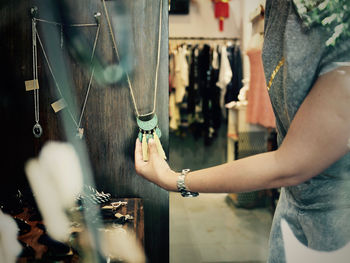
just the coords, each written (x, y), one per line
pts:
(201, 21)
(249, 6)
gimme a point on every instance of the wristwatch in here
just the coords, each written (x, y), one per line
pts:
(181, 187)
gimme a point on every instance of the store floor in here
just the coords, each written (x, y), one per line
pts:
(207, 228)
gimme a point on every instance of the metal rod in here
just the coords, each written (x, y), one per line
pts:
(204, 38)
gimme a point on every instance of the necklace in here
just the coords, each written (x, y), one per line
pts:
(37, 128)
(147, 123)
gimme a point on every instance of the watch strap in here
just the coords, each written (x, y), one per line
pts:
(181, 186)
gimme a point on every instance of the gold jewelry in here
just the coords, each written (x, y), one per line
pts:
(274, 73)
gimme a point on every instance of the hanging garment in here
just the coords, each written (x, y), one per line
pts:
(181, 74)
(214, 93)
(182, 102)
(259, 109)
(184, 65)
(204, 61)
(174, 115)
(215, 60)
(174, 112)
(233, 88)
(210, 94)
(193, 99)
(193, 80)
(225, 74)
(199, 110)
(171, 70)
(179, 80)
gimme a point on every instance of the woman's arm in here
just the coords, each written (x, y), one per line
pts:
(318, 136)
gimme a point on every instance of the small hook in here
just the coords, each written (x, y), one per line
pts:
(34, 11)
(97, 16)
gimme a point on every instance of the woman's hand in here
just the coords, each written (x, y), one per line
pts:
(156, 169)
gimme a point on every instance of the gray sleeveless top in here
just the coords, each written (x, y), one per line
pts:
(306, 57)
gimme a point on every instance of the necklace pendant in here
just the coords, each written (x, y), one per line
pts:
(147, 130)
(80, 133)
(37, 130)
(147, 125)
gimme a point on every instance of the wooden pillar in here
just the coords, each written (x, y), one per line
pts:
(109, 118)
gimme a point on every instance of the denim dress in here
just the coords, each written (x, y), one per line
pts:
(318, 210)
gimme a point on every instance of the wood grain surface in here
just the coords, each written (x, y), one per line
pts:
(109, 119)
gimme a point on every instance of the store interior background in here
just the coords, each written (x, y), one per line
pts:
(211, 228)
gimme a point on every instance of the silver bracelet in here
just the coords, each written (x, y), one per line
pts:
(181, 186)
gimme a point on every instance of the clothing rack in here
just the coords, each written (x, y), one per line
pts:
(202, 40)
(205, 38)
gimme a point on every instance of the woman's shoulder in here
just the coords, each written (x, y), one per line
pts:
(332, 16)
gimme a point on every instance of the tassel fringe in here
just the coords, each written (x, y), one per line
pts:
(159, 146)
(144, 148)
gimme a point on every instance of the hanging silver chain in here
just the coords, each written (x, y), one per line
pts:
(77, 124)
(158, 58)
(62, 25)
(35, 73)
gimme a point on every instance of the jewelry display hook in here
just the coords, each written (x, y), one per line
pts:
(34, 12)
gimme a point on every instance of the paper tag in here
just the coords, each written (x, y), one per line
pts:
(59, 105)
(31, 84)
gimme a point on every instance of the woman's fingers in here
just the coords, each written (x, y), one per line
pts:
(138, 154)
(153, 151)
(154, 167)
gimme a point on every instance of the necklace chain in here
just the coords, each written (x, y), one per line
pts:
(36, 36)
(35, 73)
(62, 25)
(127, 75)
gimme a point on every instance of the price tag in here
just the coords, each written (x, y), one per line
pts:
(31, 84)
(59, 105)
